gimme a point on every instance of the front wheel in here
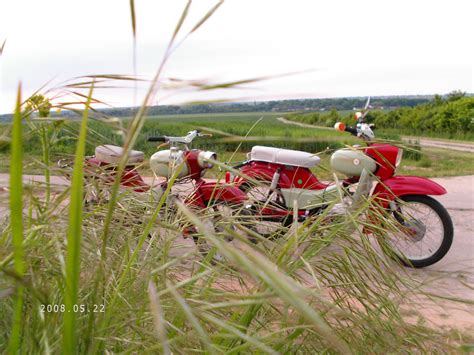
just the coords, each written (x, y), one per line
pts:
(223, 221)
(425, 231)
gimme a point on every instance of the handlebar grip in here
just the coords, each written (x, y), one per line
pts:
(157, 139)
(340, 126)
(351, 130)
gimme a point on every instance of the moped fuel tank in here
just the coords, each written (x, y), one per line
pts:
(351, 162)
(165, 162)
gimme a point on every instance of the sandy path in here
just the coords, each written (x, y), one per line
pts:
(453, 276)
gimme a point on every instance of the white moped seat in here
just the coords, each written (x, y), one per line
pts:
(284, 156)
(111, 154)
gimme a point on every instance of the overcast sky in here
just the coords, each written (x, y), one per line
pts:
(353, 48)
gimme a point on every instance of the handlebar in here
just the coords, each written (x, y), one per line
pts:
(362, 130)
(187, 139)
(340, 126)
(351, 130)
(157, 139)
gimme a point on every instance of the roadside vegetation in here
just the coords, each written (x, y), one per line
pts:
(444, 117)
(119, 276)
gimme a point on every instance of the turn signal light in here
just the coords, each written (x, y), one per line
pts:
(340, 126)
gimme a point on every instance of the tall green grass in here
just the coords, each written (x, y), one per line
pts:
(16, 208)
(74, 236)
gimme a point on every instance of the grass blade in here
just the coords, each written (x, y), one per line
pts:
(207, 15)
(16, 209)
(204, 338)
(3, 46)
(134, 22)
(184, 14)
(158, 317)
(74, 238)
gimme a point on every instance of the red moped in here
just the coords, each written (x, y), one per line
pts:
(189, 165)
(289, 187)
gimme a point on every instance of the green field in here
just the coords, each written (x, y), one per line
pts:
(230, 132)
(234, 135)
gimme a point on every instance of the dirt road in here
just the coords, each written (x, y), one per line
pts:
(424, 142)
(452, 277)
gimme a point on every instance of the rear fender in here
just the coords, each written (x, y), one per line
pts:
(398, 186)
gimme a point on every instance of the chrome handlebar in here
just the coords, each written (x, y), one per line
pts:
(187, 139)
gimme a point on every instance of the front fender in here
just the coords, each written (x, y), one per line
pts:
(397, 186)
(216, 192)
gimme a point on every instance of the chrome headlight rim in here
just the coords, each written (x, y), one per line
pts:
(204, 157)
(398, 159)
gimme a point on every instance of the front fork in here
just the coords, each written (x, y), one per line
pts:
(359, 197)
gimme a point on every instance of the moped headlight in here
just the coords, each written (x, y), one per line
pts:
(203, 159)
(399, 157)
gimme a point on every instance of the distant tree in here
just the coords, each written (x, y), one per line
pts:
(456, 95)
(437, 100)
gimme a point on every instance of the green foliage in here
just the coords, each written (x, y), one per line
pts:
(37, 103)
(452, 117)
(316, 118)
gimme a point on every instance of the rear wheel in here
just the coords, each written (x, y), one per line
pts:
(425, 231)
(263, 199)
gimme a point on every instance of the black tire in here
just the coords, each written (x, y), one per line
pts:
(447, 235)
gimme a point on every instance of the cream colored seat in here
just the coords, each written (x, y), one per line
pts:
(111, 154)
(284, 156)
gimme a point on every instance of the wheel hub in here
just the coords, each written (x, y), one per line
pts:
(415, 229)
